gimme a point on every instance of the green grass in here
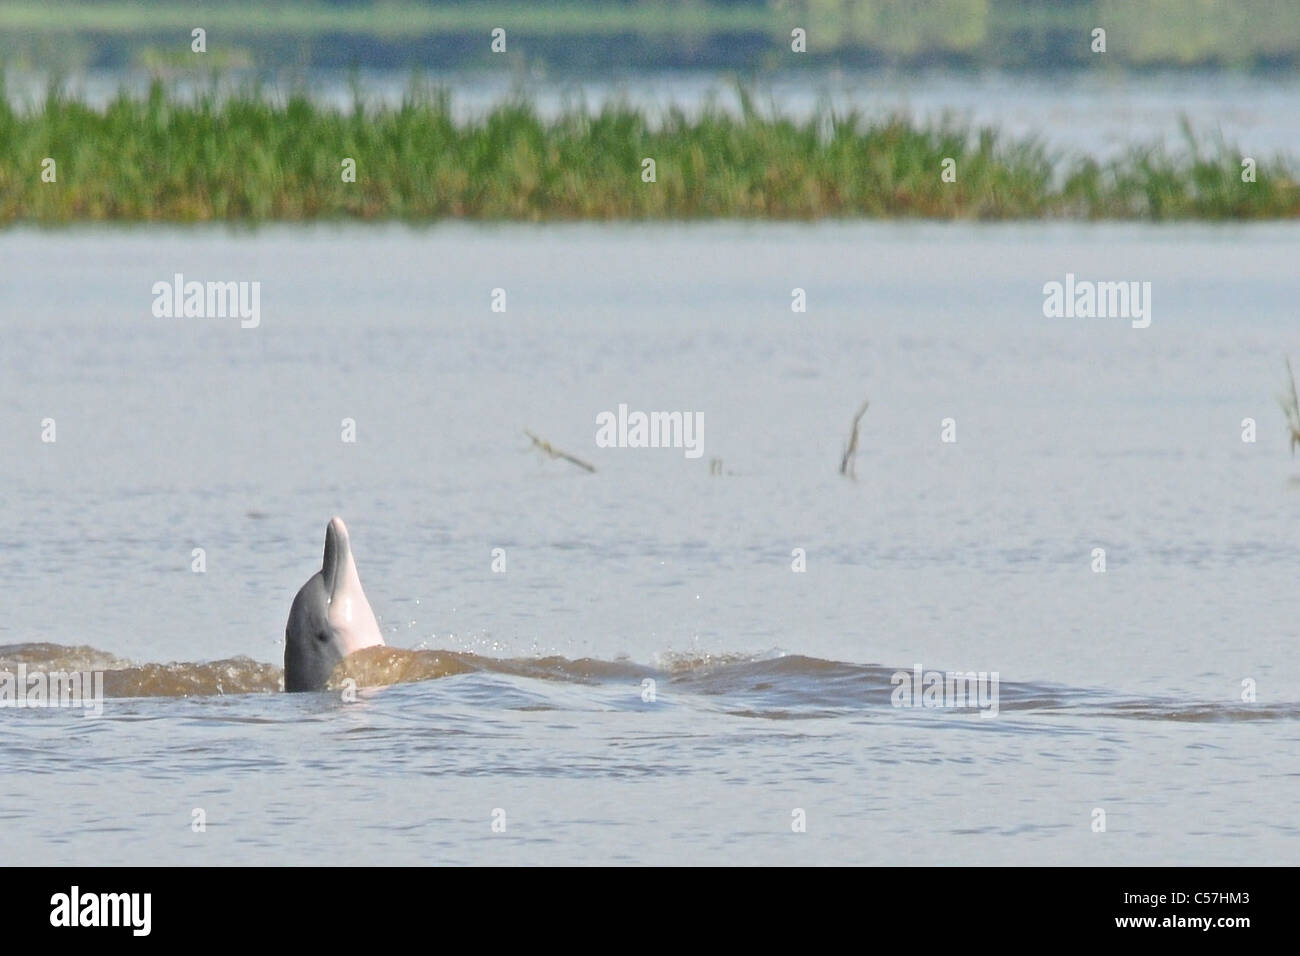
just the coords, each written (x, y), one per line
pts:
(246, 158)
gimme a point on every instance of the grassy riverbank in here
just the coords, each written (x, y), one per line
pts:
(249, 159)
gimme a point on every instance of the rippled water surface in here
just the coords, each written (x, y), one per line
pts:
(526, 691)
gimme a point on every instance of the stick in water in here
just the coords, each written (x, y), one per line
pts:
(1291, 408)
(554, 452)
(847, 466)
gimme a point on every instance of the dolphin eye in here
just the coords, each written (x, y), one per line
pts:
(322, 636)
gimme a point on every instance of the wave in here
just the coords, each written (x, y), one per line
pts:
(774, 685)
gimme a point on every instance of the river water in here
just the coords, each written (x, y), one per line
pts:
(648, 678)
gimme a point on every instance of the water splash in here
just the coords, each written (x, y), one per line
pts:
(773, 685)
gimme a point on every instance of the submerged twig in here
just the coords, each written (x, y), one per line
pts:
(847, 466)
(549, 449)
(1291, 408)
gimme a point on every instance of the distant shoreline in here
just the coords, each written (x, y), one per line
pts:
(247, 158)
(400, 34)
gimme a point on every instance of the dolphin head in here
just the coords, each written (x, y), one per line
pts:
(330, 617)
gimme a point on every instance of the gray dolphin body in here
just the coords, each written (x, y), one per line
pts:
(330, 617)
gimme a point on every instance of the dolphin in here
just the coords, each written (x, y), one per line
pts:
(330, 617)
